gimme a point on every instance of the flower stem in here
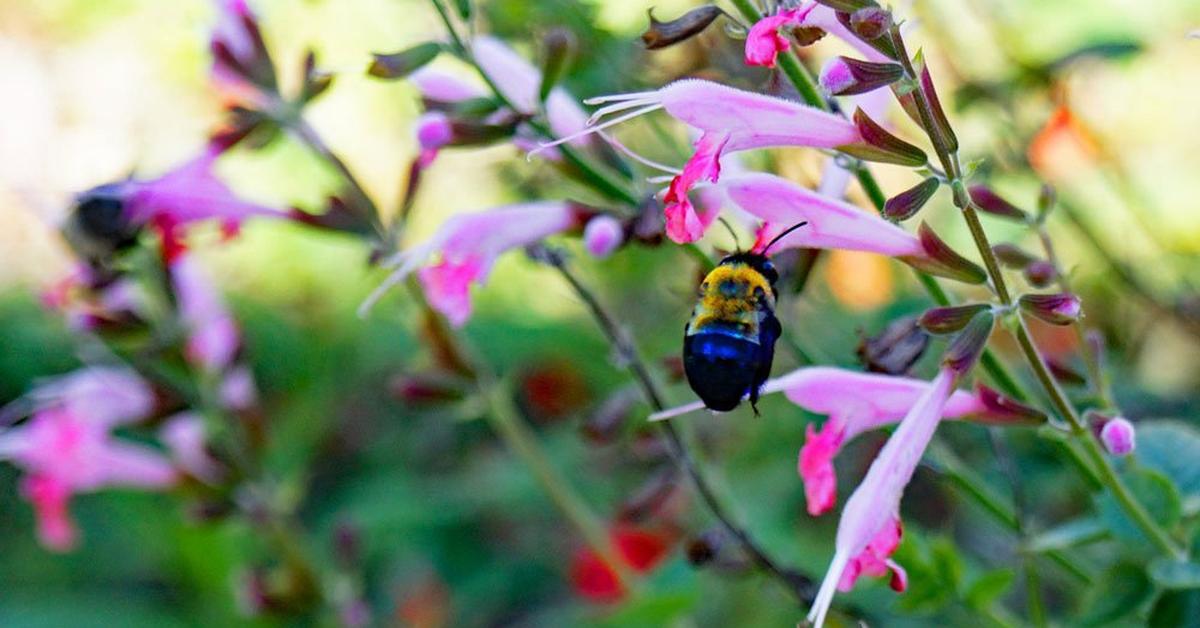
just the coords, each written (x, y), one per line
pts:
(1062, 404)
(796, 583)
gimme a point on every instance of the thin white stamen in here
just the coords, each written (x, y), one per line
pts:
(592, 129)
(615, 143)
(617, 107)
(820, 607)
(660, 179)
(596, 100)
(377, 294)
(663, 415)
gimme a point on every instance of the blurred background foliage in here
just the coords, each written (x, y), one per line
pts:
(454, 531)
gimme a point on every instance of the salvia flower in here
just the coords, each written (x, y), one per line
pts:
(67, 447)
(764, 43)
(1118, 436)
(869, 518)
(241, 64)
(520, 82)
(213, 337)
(844, 76)
(467, 246)
(729, 120)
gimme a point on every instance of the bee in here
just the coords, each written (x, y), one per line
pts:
(729, 342)
(98, 227)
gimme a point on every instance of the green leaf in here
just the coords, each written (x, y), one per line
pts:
(987, 588)
(1120, 592)
(1173, 448)
(1176, 609)
(948, 564)
(1156, 492)
(1069, 534)
(1173, 574)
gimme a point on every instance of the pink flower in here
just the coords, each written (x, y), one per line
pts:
(764, 42)
(602, 235)
(190, 193)
(832, 224)
(213, 338)
(520, 82)
(184, 435)
(108, 395)
(683, 223)
(434, 130)
(444, 87)
(730, 120)
(241, 65)
(467, 247)
(875, 560)
(1118, 436)
(875, 504)
(64, 450)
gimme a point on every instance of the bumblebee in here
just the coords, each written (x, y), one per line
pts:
(729, 343)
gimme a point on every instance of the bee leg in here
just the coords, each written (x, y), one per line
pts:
(754, 401)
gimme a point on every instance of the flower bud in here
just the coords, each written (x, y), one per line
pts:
(906, 204)
(964, 350)
(1006, 410)
(847, 6)
(844, 76)
(947, 320)
(560, 44)
(942, 133)
(880, 145)
(1047, 199)
(987, 200)
(424, 389)
(944, 261)
(1057, 309)
(690, 24)
(1013, 256)
(870, 22)
(895, 349)
(603, 235)
(434, 130)
(1040, 274)
(1118, 436)
(398, 65)
(1065, 373)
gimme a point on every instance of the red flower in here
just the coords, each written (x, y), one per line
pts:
(594, 579)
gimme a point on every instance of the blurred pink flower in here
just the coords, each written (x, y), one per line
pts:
(213, 338)
(68, 449)
(434, 130)
(190, 193)
(241, 67)
(107, 395)
(520, 83)
(875, 504)
(1118, 436)
(467, 247)
(875, 560)
(185, 437)
(602, 235)
(443, 87)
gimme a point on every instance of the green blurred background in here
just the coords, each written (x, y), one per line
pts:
(451, 524)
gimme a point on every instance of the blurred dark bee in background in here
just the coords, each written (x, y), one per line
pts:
(729, 343)
(98, 227)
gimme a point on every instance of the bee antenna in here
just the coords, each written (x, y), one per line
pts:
(780, 236)
(729, 228)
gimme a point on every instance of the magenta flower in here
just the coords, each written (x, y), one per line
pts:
(832, 224)
(764, 42)
(875, 560)
(67, 446)
(602, 235)
(213, 338)
(730, 120)
(242, 67)
(184, 435)
(434, 130)
(467, 246)
(875, 504)
(1118, 436)
(190, 193)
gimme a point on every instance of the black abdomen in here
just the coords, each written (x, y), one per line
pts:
(720, 367)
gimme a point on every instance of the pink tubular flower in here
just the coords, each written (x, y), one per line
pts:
(875, 560)
(108, 395)
(764, 42)
(65, 451)
(832, 224)
(520, 82)
(875, 504)
(730, 120)
(444, 87)
(241, 68)
(467, 246)
(190, 193)
(213, 338)
(184, 436)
